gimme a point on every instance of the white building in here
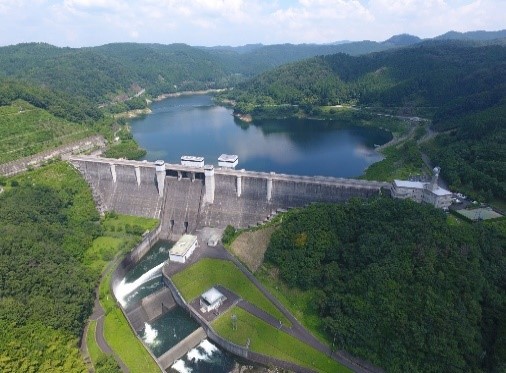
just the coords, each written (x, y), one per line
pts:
(228, 160)
(192, 161)
(211, 300)
(429, 192)
(183, 248)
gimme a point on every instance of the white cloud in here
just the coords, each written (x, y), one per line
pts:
(235, 22)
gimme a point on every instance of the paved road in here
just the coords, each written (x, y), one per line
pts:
(98, 315)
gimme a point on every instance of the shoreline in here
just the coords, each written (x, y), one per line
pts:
(164, 96)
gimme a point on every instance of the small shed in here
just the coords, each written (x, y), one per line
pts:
(183, 248)
(211, 300)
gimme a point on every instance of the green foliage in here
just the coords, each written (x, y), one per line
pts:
(401, 162)
(26, 130)
(128, 149)
(463, 84)
(46, 293)
(71, 108)
(228, 235)
(107, 364)
(397, 284)
(35, 347)
(114, 72)
(473, 156)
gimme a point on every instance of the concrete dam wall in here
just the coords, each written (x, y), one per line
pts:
(187, 198)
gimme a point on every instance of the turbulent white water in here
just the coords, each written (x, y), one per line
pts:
(150, 334)
(123, 289)
(203, 351)
(181, 367)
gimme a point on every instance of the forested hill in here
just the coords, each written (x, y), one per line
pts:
(115, 71)
(101, 73)
(427, 74)
(392, 282)
(463, 84)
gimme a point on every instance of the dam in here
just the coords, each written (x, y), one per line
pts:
(188, 198)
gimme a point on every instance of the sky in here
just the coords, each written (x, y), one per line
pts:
(78, 23)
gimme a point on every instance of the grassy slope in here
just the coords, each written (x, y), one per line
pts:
(270, 341)
(26, 130)
(120, 337)
(93, 349)
(206, 273)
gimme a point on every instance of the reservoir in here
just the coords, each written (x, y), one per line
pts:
(194, 125)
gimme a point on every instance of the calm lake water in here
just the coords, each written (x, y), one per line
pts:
(193, 125)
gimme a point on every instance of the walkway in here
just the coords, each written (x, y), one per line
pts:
(98, 316)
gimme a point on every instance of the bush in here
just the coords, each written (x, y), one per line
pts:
(229, 235)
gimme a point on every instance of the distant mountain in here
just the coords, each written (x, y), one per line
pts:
(402, 40)
(472, 35)
(116, 70)
(239, 49)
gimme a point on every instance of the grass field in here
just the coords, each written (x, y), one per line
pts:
(206, 273)
(26, 130)
(300, 303)
(268, 340)
(93, 349)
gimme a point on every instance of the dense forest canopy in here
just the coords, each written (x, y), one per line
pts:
(106, 72)
(395, 284)
(109, 72)
(46, 292)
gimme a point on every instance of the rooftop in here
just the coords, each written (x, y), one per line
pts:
(441, 191)
(183, 245)
(192, 158)
(212, 295)
(409, 184)
(228, 158)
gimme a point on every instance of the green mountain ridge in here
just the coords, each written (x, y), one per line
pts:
(104, 73)
(463, 83)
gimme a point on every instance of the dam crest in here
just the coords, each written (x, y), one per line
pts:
(188, 198)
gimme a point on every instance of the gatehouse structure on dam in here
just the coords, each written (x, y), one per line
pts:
(186, 197)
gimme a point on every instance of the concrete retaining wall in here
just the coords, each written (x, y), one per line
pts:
(36, 160)
(135, 255)
(182, 348)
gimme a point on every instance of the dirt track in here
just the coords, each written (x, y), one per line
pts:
(250, 247)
